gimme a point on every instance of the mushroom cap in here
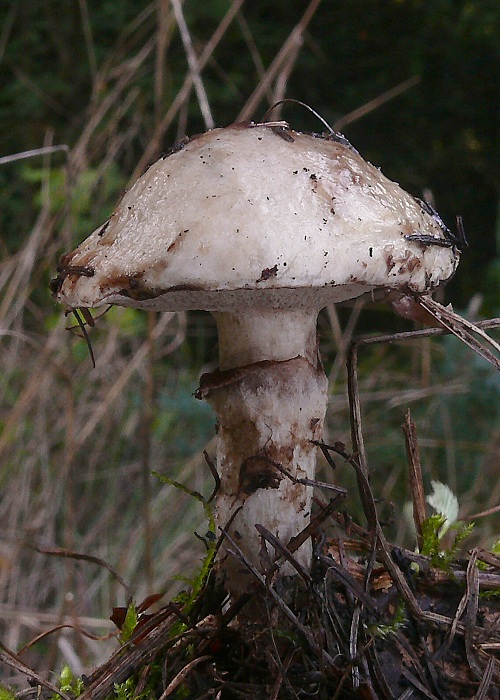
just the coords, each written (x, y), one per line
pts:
(256, 215)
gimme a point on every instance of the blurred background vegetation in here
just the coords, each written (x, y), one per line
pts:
(105, 87)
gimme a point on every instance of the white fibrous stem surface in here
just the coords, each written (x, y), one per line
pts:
(269, 409)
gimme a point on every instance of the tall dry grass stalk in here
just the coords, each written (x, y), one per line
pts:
(77, 444)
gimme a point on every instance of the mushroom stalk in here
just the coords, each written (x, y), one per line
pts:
(270, 398)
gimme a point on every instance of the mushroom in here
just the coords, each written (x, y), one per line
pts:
(262, 226)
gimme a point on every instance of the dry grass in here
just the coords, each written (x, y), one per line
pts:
(77, 445)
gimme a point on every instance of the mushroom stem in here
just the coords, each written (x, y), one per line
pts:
(270, 398)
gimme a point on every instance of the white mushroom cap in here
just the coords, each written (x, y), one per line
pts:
(257, 216)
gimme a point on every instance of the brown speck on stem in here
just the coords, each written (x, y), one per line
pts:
(268, 272)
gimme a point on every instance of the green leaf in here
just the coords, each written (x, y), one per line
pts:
(399, 618)
(68, 683)
(431, 528)
(130, 623)
(6, 694)
(495, 547)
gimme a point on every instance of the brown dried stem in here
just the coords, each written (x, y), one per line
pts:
(415, 476)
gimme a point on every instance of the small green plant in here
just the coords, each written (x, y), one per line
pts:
(495, 547)
(68, 683)
(433, 529)
(198, 580)
(431, 534)
(128, 691)
(6, 694)
(445, 504)
(129, 624)
(398, 620)
(130, 617)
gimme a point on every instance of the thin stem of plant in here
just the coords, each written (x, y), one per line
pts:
(193, 63)
(154, 144)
